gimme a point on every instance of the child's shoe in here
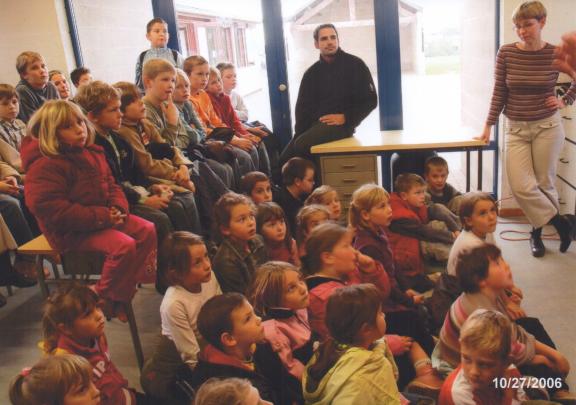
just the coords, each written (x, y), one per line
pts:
(427, 382)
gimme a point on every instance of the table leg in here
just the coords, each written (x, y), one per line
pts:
(480, 161)
(467, 170)
(40, 274)
(386, 170)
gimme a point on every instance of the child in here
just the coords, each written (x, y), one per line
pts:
(231, 328)
(271, 224)
(34, 87)
(298, 182)
(410, 225)
(256, 185)
(228, 74)
(81, 76)
(328, 196)
(158, 35)
(185, 266)
(72, 323)
(64, 379)
(59, 80)
(439, 191)
(485, 345)
(369, 214)
(233, 391)
(484, 276)
(280, 296)
(12, 129)
(80, 207)
(308, 218)
(241, 249)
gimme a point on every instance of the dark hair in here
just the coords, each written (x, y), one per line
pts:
(223, 210)
(77, 73)
(270, 211)
(94, 97)
(435, 161)
(267, 288)
(294, 169)
(128, 93)
(321, 27)
(215, 317)
(71, 302)
(468, 202)
(405, 181)
(473, 265)
(348, 309)
(8, 92)
(153, 21)
(250, 179)
(174, 255)
(322, 239)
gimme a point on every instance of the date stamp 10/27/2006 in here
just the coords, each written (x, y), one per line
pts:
(527, 382)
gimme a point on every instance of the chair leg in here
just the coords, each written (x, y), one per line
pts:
(41, 278)
(9, 289)
(135, 337)
(55, 271)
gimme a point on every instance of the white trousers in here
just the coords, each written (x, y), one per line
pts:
(532, 152)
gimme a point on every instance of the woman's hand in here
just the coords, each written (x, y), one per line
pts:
(485, 135)
(554, 102)
(565, 55)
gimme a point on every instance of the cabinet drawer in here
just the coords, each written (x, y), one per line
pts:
(567, 163)
(349, 180)
(566, 198)
(349, 163)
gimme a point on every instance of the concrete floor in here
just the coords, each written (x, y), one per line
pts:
(547, 283)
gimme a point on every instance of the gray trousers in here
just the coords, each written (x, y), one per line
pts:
(532, 152)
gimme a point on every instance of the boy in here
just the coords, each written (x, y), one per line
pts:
(228, 73)
(298, 182)
(157, 34)
(228, 324)
(256, 185)
(484, 277)
(12, 130)
(485, 345)
(81, 76)
(59, 80)
(439, 191)
(409, 227)
(34, 87)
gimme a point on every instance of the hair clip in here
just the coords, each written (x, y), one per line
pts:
(25, 371)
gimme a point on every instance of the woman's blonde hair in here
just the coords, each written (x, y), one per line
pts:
(529, 9)
(229, 391)
(489, 332)
(267, 289)
(53, 116)
(363, 199)
(50, 380)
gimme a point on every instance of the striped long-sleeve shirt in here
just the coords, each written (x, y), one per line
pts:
(523, 81)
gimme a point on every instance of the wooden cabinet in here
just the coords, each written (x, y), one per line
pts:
(566, 174)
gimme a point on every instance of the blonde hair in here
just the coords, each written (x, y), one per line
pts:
(192, 61)
(50, 118)
(364, 199)
(303, 217)
(214, 73)
(529, 9)
(95, 96)
(489, 332)
(229, 391)
(24, 59)
(181, 75)
(50, 380)
(317, 196)
(267, 288)
(154, 67)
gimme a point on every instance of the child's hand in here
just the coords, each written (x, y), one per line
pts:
(417, 298)
(11, 180)
(189, 185)
(540, 359)
(116, 216)
(170, 111)
(162, 190)
(455, 234)
(516, 292)
(9, 188)
(255, 140)
(258, 131)
(365, 263)
(182, 175)
(514, 310)
(399, 344)
(560, 363)
(157, 202)
(242, 143)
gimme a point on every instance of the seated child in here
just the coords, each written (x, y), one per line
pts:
(484, 277)
(228, 391)
(328, 196)
(64, 379)
(271, 225)
(12, 129)
(79, 206)
(298, 182)
(228, 74)
(81, 76)
(232, 330)
(485, 345)
(59, 80)
(158, 35)
(438, 190)
(34, 88)
(279, 295)
(241, 248)
(409, 227)
(185, 266)
(308, 218)
(74, 324)
(256, 185)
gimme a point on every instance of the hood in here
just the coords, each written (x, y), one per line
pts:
(29, 151)
(401, 209)
(212, 355)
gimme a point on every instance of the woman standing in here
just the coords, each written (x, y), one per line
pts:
(524, 92)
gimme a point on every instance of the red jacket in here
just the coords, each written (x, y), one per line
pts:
(223, 107)
(406, 249)
(70, 194)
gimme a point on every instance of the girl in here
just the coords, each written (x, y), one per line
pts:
(308, 218)
(279, 295)
(64, 379)
(230, 391)
(271, 224)
(72, 323)
(241, 249)
(185, 266)
(328, 196)
(79, 206)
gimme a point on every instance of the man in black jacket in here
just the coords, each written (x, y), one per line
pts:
(336, 94)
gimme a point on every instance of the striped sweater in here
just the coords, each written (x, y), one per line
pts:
(523, 81)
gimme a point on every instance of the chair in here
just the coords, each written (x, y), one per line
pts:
(76, 264)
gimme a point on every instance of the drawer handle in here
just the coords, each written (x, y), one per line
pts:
(349, 180)
(562, 160)
(567, 118)
(347, 195)
(348, 166)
